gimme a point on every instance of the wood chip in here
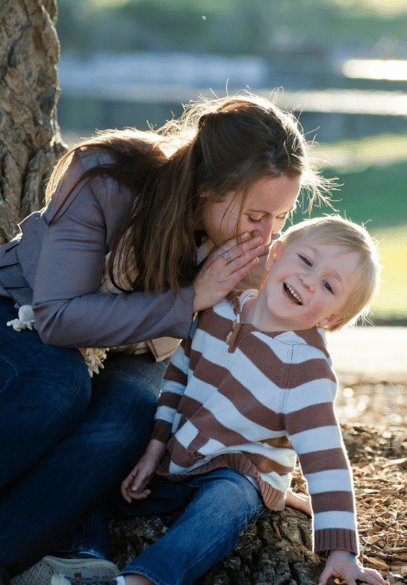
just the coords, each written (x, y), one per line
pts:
(375, 562)
(400, 462)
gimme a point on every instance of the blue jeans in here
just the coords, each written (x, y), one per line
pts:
(217, 506)
(66, 440)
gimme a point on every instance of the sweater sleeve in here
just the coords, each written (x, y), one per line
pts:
(316, 437)
(173, 388)
(69, 310)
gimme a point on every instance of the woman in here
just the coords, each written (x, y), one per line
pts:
(116, 259)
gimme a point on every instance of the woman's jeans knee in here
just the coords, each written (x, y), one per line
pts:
(68, 441)
(44, 392)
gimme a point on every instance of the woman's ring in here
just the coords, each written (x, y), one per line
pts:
(226, 256)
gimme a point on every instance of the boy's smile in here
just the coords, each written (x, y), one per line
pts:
(308, 284)
(290, 292)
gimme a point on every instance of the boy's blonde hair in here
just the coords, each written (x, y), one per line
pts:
(336, 231)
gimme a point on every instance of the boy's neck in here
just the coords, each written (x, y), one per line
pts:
(253, 312)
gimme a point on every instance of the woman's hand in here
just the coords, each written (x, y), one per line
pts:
(346, 565)
(220, 274)
(134, 486)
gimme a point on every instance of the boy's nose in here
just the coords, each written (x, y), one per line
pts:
(308, 281)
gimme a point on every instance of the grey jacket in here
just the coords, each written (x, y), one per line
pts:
(63, 264)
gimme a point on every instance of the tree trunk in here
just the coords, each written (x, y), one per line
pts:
(276, 549)
(30, 142)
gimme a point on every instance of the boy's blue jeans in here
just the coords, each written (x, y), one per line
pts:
(65, 439)
(217, 506)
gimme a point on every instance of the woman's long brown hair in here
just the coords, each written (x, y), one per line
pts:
(218, 146)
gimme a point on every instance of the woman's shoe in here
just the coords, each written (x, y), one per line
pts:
(80, 567)
(61, 580)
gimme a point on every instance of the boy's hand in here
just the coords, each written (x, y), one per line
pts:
(299, 501)
(134, 486)
(346, 565)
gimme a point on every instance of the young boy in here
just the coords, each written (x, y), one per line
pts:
(249, 390)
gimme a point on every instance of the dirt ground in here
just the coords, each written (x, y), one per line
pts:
(373, 417)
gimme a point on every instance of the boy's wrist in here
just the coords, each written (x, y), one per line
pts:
(346, 553)
(155, 448)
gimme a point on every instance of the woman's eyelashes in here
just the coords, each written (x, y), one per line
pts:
(260, 219)
(328, 287)
(254, 219)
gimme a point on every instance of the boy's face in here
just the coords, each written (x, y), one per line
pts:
(308, 284)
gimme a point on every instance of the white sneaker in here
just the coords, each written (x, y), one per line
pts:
(61, 580)
(49, 567)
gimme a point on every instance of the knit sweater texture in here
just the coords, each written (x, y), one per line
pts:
(253, 403)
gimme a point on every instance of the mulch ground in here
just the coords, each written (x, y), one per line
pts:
(373, 417)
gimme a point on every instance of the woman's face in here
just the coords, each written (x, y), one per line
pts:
(268, 203)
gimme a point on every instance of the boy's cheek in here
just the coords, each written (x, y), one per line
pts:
(314, 314)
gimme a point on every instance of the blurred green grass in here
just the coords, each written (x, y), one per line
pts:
(372, 174)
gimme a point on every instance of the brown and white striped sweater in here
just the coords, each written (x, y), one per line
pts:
(252, 404)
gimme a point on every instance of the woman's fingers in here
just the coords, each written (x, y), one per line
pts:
(234, 249)
(214, 284)
(240, 261)
(245, 237)
(224, 268)
(237, 273)
(235, 258)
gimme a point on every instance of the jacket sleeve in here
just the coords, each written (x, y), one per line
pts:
(316, 437)
(69, 310)
(172, 390)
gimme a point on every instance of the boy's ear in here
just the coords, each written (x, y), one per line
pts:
(329, 321)
(274, 254)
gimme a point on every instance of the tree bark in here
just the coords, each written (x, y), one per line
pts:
(276, 549)
(30, 141)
